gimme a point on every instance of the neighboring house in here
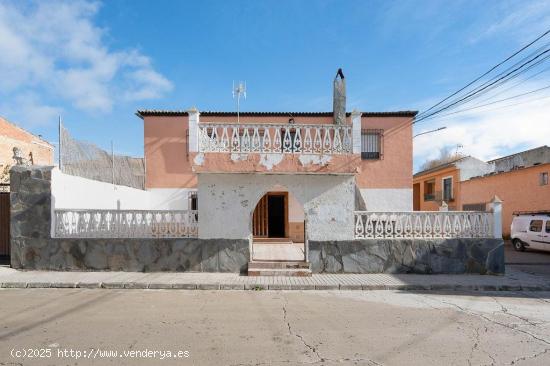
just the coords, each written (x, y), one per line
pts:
(432, 187)
(520, 180)
(33, 149)
(30, 149)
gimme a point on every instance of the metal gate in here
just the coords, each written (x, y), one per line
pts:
(4, 223)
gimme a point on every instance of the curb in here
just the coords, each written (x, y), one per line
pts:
(273, 287)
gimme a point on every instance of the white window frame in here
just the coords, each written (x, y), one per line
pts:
(443, 188)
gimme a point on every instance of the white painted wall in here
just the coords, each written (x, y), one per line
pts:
(169, 198)
(471, 167)
(228, 201)
(69, 191)
(388, 199)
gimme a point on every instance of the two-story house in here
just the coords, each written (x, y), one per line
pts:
(282, 177)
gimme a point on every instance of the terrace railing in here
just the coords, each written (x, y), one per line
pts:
(274, 138)
(423, 224)
(125, 224)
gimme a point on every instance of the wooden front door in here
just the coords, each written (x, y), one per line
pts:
(270, 218)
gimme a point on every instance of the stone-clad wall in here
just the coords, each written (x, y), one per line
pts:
(424, 256)
(32, 246)
(138, 255)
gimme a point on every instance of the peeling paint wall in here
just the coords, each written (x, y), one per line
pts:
(228, 201)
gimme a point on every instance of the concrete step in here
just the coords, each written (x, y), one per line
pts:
(288, 272)
(278, 264)
(299, 269)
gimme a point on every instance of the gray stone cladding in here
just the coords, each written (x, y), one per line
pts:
(33, 248)
(423, 256)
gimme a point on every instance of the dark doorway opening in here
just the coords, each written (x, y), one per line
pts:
(276, 217)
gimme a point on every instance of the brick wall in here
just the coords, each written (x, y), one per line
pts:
(12, 136)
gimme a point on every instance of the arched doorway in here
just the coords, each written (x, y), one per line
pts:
(278, 227)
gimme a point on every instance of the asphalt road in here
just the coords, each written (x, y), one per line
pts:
(272, 328)
(531, 261)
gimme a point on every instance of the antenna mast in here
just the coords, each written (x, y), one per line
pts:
(237, 92)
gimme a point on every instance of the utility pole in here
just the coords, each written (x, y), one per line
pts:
(113, 162)
(59, 142)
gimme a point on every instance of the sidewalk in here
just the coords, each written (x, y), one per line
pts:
(512, 281)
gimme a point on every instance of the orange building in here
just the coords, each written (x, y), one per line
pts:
(519, 180)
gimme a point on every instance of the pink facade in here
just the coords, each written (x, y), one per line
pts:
(394, 169)
(170, 163)
(166, 149)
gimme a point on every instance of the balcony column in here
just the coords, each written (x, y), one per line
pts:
(193, 114)
(356, 131)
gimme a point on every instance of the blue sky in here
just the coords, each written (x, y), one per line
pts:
(96, 63)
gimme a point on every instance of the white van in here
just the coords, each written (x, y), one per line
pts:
(531, 230)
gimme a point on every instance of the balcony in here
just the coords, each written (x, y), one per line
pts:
(438, 197)
(300, 148)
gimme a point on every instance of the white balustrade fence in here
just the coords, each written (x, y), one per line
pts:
(272, 138)
(423, 224)
(125, 224)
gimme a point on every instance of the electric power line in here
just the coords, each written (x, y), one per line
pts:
(487, 72)
(494, 102)
(483, 88)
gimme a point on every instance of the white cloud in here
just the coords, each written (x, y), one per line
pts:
(55, 49)
(491, 131)
(521, 20)
(29, 110)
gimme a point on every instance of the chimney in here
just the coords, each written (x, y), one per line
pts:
(339, 98)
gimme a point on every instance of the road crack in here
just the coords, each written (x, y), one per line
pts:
(292, 333)
(313, 349)
(496, 322)
(505, 310)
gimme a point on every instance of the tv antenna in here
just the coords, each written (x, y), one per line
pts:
(458, 147)
(238, 91)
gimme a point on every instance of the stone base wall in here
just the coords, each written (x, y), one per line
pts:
(32, 246)
(423, 256)
(138, 255)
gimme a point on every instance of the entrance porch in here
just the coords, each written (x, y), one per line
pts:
(278, 244)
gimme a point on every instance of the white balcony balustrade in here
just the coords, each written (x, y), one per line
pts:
(422, 224)
(275, 139)
(125, 224)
